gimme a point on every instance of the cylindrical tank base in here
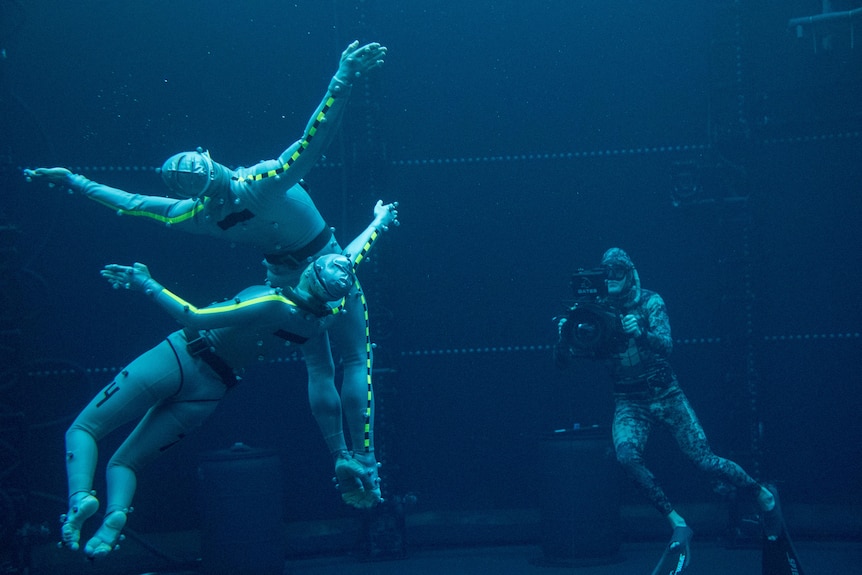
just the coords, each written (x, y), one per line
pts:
(579, 497)
(242, 503)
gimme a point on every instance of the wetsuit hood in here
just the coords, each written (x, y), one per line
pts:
(631, 294)
(329, 278)
(194, 174)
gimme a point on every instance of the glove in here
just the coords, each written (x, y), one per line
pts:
(357, 480)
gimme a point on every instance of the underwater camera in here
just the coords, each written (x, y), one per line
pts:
(592, 327)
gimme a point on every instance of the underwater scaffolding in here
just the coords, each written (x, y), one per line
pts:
(824, 26)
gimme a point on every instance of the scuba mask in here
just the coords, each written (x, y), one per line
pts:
(618, 272)
(620, 268)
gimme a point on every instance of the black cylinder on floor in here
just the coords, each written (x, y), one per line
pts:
(241, 497)
(579, 495)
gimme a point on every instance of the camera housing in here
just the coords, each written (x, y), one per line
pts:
(593, 326)
(590, 285)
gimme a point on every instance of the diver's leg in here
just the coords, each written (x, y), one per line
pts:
(686, 428)
(161, 428)
(689, 434)
(188, 394)
(128, 396)
(323, 396)
(633, 421)
(631, 430)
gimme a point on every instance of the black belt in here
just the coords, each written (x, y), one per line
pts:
(291, 337)
(661, 378)
(199, 346)
(299, 258)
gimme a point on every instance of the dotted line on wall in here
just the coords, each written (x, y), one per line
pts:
(529, 157)
(459, 351)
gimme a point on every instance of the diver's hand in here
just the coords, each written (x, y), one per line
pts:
(562, 355)
(357, 60)
(631, 326)
(357, 480)
(370, 479)
(385, 215)
(54, 176)
(561, 325)
(135, 277)
(562, 350)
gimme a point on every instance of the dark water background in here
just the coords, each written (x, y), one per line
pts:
(522, 140)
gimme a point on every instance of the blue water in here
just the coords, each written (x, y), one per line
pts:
(522, 140)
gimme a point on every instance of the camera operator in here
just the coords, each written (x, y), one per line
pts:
(629, 331)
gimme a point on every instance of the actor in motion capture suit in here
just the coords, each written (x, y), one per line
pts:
(176, 385)
(267, 206)
(646, 394)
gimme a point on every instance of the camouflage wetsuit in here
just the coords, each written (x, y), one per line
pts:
(647, 393)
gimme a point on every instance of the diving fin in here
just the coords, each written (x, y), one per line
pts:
(779, 556)
(677, 555)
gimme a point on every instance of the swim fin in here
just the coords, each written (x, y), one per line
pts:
(779, 556)
(677, 555)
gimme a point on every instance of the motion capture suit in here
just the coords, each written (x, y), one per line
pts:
(175, 386)
(267, 206)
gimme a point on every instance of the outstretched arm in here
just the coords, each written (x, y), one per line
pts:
(384, 216)
(290, 167)
(161, 209)
(356, 473)
(252, 304)
(299, 157)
